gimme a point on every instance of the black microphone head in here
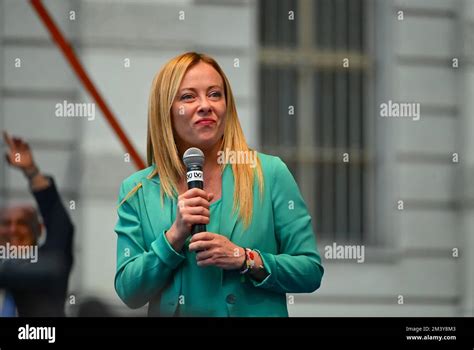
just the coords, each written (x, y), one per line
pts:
(193, 157)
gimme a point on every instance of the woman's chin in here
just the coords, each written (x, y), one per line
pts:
(205, 143)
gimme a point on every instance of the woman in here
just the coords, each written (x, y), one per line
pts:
(260, 243)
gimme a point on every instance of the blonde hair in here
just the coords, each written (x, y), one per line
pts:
(161, 146)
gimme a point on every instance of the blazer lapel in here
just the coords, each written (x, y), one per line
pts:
(228, 218)
(160, 217)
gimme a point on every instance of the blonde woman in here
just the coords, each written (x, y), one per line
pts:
(259, 242)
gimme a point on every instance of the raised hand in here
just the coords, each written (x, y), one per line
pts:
(19, 154)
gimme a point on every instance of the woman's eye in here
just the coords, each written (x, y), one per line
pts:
(215, 94)
(186, 97)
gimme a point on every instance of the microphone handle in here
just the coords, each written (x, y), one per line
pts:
(198, 227)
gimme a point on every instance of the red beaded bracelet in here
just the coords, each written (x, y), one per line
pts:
(249, 262)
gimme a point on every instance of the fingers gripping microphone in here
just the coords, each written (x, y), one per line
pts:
(193, 158)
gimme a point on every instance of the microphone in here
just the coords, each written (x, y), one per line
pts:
(193, 158)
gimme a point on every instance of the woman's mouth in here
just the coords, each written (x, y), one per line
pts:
(205, 122)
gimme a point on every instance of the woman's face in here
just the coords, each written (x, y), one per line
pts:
(198, 111)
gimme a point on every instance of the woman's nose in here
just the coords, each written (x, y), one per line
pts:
(204, 107)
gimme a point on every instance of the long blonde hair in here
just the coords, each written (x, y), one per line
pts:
(161, 146)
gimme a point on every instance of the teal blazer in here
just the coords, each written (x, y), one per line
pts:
(149, 269)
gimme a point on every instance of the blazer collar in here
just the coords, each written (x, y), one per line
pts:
(162, 217)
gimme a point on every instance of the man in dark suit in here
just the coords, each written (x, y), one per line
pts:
(37, 288)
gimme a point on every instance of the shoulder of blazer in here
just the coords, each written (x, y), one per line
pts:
(138, 176)
(269, 163)
(134, 182)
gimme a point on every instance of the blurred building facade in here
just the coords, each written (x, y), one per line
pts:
(397, 186)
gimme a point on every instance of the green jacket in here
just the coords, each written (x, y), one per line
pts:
(150, 271)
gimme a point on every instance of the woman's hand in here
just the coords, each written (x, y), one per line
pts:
(216, 250)
(193, 208)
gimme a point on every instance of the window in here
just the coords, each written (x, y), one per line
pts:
(314, 70)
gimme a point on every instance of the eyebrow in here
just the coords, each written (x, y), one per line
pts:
(193, 89)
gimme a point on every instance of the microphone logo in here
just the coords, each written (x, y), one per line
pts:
(195, 175)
